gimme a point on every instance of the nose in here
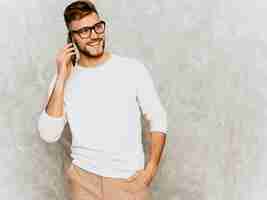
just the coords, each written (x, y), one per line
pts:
(93, 34)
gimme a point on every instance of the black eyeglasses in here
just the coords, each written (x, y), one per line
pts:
(86, 31)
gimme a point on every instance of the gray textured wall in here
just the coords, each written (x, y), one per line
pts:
(208, 60)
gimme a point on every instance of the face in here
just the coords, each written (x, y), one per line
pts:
(92, 46)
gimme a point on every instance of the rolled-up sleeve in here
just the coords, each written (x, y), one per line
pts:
(50, 128)
(149, 101)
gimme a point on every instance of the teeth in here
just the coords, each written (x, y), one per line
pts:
(93, 44)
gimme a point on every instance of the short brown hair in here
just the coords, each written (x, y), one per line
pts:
(77, 10)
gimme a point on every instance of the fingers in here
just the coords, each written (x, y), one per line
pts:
(72, 49)
(69, 54)
(131, 178)
(68, 45)
(137, 173)
(66, 49)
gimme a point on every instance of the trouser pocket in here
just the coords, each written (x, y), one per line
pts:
(133, 186)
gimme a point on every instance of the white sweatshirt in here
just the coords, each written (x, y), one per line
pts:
(101, 105)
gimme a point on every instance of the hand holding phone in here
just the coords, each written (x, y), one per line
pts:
(64, 60)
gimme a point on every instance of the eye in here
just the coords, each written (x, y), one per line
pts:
(99, 26)
(84, 30)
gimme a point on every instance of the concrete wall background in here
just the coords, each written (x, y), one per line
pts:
(208, 60)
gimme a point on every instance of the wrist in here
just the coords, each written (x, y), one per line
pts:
(60, 79)
(151, 165)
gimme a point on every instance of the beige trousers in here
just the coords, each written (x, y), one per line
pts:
(84, 185)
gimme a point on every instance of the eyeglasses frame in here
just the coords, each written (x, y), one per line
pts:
(90, 28)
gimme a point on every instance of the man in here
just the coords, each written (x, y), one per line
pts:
(100, 96)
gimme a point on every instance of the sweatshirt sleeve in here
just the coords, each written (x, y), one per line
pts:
(149, 101)
(50, 128)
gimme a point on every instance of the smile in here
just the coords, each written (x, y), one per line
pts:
(94, 44)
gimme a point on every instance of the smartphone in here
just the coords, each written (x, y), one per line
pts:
(75, 57)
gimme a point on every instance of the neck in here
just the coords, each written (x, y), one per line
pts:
(86, 61)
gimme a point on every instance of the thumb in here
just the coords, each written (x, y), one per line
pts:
(131, 178)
